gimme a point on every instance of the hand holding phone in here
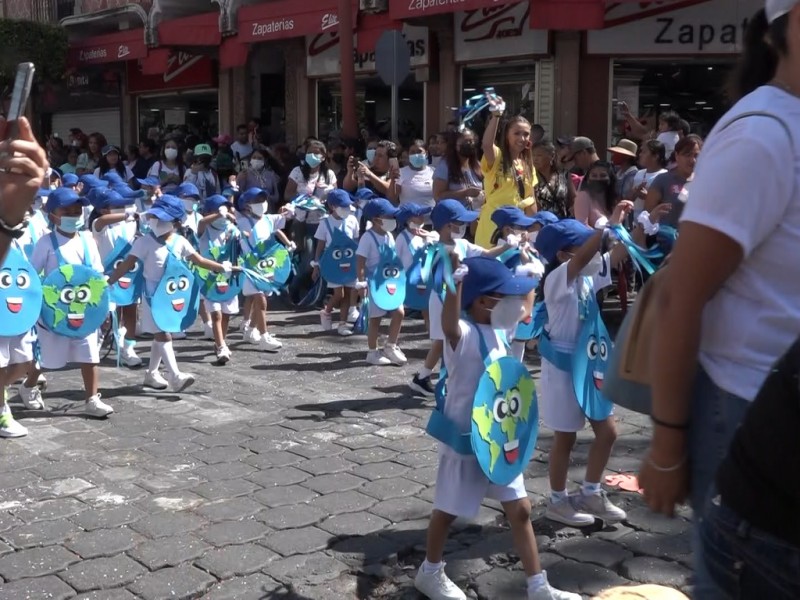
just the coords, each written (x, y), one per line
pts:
(19, 99)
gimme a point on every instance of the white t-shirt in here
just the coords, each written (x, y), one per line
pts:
(153, 255)
(108, 236)
(159, 168)
(747, 186)
(369, 247)
(643, 176)
(243, 150)
(192, 220)
(315, 186)
(407, 246)
(207, 182)
(416, 186)
(261, 229)
(669, 139)
(213, 237)
(350, 228)
(128, 173)
(45, 260)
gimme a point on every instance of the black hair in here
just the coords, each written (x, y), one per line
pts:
(538, 129)
(305, 169)
(672, 120)
(548, 268)
(269, 160)
(764, 43)
(453, 158)
(241, 126)
(391, 148)
(105, 167)
(684, 127)
(611, 192)
(659, 150)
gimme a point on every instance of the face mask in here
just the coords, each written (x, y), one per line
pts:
(466, 150)
(459, 233)
(598, 186)
(313, 160)
(594, 266)
(160, 228)
(71, 224)
(388, 225)
(370, 155)
(171, 153)
(258, 209)
(53, 186)
(532, 235)
(508, 311)
(221, 223)
(189, 204)
(257, 164)
(342, 212)
(417, 160)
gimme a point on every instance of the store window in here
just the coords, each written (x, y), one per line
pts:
(514, 82)
(193, 113)
(693, 88)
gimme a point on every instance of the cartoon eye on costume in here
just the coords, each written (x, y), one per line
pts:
(591, 347)
(6, 279)
(135, 267)
(514, 402)
(23, 281)
(500, 408)
(337, 254)
(67, 295)
(172, 286)
(117, 263)
(390, 272)
(348, 253)
(82, 294)
(603, 350)
(262, 265)
(183, 283)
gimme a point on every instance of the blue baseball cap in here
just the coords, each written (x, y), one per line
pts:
(511, 216)
(168, 208)
(365, 195)
(411, 210)
(112, 177)
(126, 191)
(451, 211)
(380, 207)
(229, 192)
(187, 190)
(61, 198)
(212, 203)
(544, 217)
(250, 195)
(107, 198)
(70, 180)
(490, 276)
(339, 199)
(90, 181)
(149, 181)
(555, 237)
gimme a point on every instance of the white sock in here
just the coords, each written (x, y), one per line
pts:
(155, 356)
(590, 489)
(424, 372)
(518, 349)
(168, 354)
(536, 582)
(429, 567)
(558, 496)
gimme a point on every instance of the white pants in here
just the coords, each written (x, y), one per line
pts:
(231, 307)
(435, 307)
(58, 351)
(16, 350)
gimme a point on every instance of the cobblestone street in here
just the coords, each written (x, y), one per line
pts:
(304, 475)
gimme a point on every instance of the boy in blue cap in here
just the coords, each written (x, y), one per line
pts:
(381, 213)
(485, 288)
(151, 186)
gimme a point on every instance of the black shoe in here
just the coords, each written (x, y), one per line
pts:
(422, 385)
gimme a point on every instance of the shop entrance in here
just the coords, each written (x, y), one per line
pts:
(189, 113)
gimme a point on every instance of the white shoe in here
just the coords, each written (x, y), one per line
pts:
(548, 592)
(129, 358)
(223, 355)
(437, 586)
(376, 357)
(41, 382)
(326, 320)
(208, 331)
(97, 408)
(244, 326)
(600, 506)
(564, 511)
(253, 336)
(181, 335)
(154, 380)
(352, 314)
(180, 382)
(9, 428)
(394, 354)
(31, 397)
(269, 343)
(344, 330)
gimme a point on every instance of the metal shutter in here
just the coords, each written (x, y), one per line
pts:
(545, 92)
(105, 121)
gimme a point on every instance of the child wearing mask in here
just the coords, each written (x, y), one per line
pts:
(201, 174)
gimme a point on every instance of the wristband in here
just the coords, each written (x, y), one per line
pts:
(677, 426)
(13, 231)
(649, 227)
(601, 223)
(671, 469)
(361, 285)
(314, 264)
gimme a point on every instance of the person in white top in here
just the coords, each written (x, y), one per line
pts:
(669, 125)
(169, 169)
(242, 148)
(415, 184)
(110, 161)
(201, 174)
(653, 160)
(728, 308)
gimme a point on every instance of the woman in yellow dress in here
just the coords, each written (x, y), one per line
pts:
(508, 172)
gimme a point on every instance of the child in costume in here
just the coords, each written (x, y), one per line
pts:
(168, 282)
(377, 242)
(490, 395)
(575, 347)
(151, 188)
(337, 255)
(75, 300)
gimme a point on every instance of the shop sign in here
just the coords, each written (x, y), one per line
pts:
(280, 20)
(673, 28)
(322, 52)
(109, 48)
(407, 9)
(499, 32)
(183, 71)
(93, 81)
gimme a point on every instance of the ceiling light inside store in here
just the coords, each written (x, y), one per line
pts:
(194, 112)
(708, 108)
(710, 68)
(665, 105)
(369, 101)
(406, 99)
(155, 110)
(469, 89)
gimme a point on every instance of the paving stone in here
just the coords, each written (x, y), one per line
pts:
(326, 465)
(229, 510)
(227, 488)
(17, 479)
(660, 546)
(501, 583)
(420, 443)
(176, 448)
(213, 440)
(103, 542)
(380, 470)
(297, 541)
(338, 503)
(64, 468)
(426, 475)
(9, 521)
(284, 495)
(169, 552)
(590, 550)
(171, 502)
(402, 509)
(99, 573)
(5, 548)
(645, 569)
(312, 450)
(181, 583)
(371, 455)
(396, 487)
(251, 587)
(273, 459)
(42, 533)
(354, 524)
(234, 532)
(242, 559)
(359, 551)
(291, 517)
(107, 518)
(123, 458)
(278, 476)
(35, 562)
(50, 510)
(313, 569)
(222, 454)
(584, 578)
(115, 594)
(50, 587)
(341, 482)
(646, 520)
(415, 460)
(127, 442)
(355, 442)
(222, 471)
(167, 524)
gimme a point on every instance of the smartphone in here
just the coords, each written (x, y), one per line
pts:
(19, 98)
(394, 164)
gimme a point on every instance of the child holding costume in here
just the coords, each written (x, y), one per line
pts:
(485, 289)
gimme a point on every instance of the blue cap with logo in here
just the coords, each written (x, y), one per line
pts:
(451, 211)
(168, 208)
(490, 276)
(107, 198)
(187, 190)
(380, 207)
(555, 237)
(149, 181)
(511, 216)
(253, 194)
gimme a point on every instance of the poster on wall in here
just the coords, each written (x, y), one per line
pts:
(497, 32)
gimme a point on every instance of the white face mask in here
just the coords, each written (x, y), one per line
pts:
(388, 225)
(594, 266)
(188, 204)
(160, 228)
(258, 209)
(221, 223)
(459, 233)
(508, 311)
(257, 164)
(171, 153)
(532, 235)
(342, 212)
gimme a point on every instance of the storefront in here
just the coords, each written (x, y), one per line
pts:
(184, 97)
(666, 58)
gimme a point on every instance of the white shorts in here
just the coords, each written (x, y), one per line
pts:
(461, 486)
(435, 307)
(231, 307)
(16, 350)
(58, 351)
(146, 322)
(558, 407)
(349, 286)
(248, 289)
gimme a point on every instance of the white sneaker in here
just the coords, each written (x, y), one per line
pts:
(208, 331)
(437, 586)
(253, 336)
(244, 326)
(97, 408)
(41, 382)
(344, 330)
(181, 335)
(326, 320)
(269, 343)
(352, 314)
(564, 511)
(600, 506)
(394, 354)
(223, 355)
(129, 358)
(180, 382)
(31, 397)
(154, 380)
(376, 357)
(548, 592)
(9, 428)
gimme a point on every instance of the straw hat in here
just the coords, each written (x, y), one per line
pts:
(626, 147)
(641, 592)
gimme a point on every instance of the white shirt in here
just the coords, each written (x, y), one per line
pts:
(128, 173)
(350, 228)
(160, 167)
(45, 260)
(416, 186)
(207, 182)
(643, 176)
(747, 186)
(258, 229)
(669, 139)
(243, 150)
(213, 237)
(369, 248)
(316, 185)
(107, 237)
(407, 246)
(153, 255)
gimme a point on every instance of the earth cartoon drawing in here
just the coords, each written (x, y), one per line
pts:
(217, 287)
(76, 301)
(271, 264)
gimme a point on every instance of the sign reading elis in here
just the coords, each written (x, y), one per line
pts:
(183, 71)
(499, 32)
(127, 45)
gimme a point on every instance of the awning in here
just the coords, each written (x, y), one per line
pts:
(195, 30)
(109, 47)
(233, 53)
(156, 61)
(288, 19)
(407, 9)
(370, 28)
(568, 15)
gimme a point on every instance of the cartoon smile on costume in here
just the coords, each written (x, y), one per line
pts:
(272, 265)
(337, 263)
(76, 301)
(20, 294)
(387, 286)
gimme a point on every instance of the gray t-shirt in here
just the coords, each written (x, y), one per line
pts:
(674, 191)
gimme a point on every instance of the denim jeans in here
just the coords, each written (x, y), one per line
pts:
(745, 562)
(715, 416)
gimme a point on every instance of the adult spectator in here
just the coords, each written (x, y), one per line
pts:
(582, 154)
(71, 166)
(459, 175)
(90, 159)
(653, 160)
(669, 131)
(437, 148)
(537, 133)
(554, 191)
(728, 304)
(672, 187)
(623, 157)
(261, 172)
(147, 158)
(415, 183)
(111, 160)
(377, 177)
(242, 148)
(598, 195)
(170, 169)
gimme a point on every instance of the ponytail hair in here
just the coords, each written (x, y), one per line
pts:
(764, 43)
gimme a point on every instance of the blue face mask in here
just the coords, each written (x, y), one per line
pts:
(417, 160)
(71, 224)
(313, 160)
(370, 155)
